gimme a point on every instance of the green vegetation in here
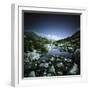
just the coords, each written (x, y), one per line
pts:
(43, 57)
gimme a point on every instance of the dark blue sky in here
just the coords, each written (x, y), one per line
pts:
(53, 26)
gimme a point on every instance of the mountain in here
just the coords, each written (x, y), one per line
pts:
(74, 37)
(34, 41)
(31, 36)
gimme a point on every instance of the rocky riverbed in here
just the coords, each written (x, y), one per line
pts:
(51, 64)
(43, 57)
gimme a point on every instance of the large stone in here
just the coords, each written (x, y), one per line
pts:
(74, 69)
(52, 69)
(32, 74)
(60, 65)
(60, 73)
(46, 65)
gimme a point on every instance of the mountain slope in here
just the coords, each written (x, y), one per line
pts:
(75, 37)
(34, 41)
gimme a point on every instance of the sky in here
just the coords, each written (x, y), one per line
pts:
(51, 25)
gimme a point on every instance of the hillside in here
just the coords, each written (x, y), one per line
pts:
(43, 57)
(34, 41)
(73, 40)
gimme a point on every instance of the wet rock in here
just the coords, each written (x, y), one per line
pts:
(41, 65)
(52, 69)
(49, 74)
(26, 60)
(74, 69)
(32, 74)
(68, 60)
(43, 60)
(58, 59)
(45, 74)
(52, 59)
(60, 65)
(46, 65)
(59, 73)
(77, 51)
(77, 57)
(49, 63)
(33, 55)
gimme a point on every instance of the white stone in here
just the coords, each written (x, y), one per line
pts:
(52, 58)
(74, 69)
(41, 65)
(46, 65)
(33, 55)
(32, 74)
(60, 64)
(52, 69)
(60, 73)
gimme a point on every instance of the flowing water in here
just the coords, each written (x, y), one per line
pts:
(59, 52)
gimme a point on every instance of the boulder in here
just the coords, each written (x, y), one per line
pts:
(32, 74)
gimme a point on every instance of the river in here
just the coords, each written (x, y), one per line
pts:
(59, 52)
